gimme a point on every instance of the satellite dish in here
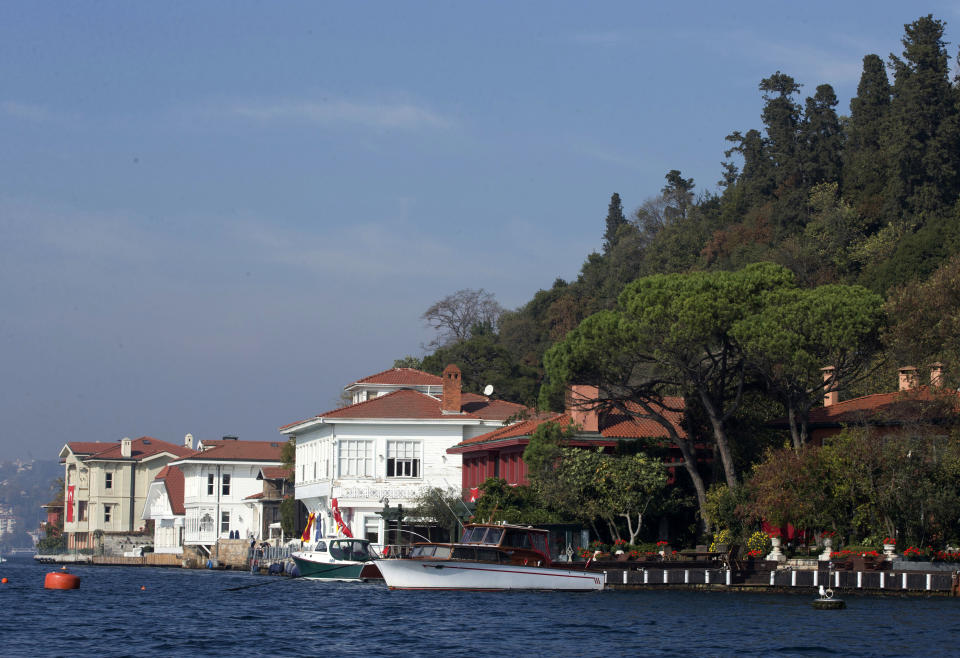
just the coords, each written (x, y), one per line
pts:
(488, 390)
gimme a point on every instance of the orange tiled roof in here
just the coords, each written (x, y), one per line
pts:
(411, 404)
(613, 426)
(172, 478)
(86, 447)
(876, 409)
(622, 426)
(140, 449)
(231, 450)
(401, 377)
(276, 472)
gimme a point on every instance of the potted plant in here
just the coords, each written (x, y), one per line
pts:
(889, 547)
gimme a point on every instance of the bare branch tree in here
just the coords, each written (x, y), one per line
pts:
(456, 316)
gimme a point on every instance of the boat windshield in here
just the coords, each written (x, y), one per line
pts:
(482, 535)
(350, 549)
(430, 550)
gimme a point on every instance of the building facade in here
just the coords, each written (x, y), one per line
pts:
(106, 484)
(220, 481)
(388, 447)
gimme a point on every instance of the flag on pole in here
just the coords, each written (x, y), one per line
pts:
(305, 537)
(338, 519)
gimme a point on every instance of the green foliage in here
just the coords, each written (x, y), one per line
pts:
(442, 507)
(288, 455)
(863, 485)
(501, 502)
(288, 517)
(409, 362)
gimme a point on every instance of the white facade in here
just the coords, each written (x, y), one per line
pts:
(363, 463)
(167, 526)
(213, 499)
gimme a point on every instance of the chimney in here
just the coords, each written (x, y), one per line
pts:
(126, 449)
(577, 401)
(908, 378)
(830, 394)
(451, 390)
(188, 441)
(936, 375)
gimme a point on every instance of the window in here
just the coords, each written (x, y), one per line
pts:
(225, 484)
(371, 528)
(82, 510)
(209, 484)
(206, 523)
(403, 459)
(108, 480)
(224, 522)
(107, 513)
(356, 458)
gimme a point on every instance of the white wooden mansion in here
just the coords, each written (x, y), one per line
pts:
(223, 487)
(389, 445)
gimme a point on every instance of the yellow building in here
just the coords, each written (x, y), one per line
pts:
(106, 484)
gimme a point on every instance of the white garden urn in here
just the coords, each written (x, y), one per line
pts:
(827, 549)
(889, 552)
(776, 554)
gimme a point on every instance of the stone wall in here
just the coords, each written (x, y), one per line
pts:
(117, 543)
(232, 553)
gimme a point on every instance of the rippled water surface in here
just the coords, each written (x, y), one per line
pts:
(195, 613)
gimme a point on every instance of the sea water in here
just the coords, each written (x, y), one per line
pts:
(147, 611)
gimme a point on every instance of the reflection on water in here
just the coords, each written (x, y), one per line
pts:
(180, 612)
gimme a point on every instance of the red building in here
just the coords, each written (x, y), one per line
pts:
(500, 453)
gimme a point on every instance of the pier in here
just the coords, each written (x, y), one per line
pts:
(938, 583)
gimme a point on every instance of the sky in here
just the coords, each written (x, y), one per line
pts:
(216, 215)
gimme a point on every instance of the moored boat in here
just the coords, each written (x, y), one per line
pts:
(337, 559)
(488, 557)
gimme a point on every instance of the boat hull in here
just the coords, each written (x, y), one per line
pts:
(313, 568)
(466, 575)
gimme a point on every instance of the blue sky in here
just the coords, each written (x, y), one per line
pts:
(213, 216)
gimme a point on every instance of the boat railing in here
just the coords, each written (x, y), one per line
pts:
(395, 551)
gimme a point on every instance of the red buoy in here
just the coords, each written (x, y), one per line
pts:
(61, 580)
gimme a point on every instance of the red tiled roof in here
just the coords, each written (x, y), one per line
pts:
(275, 472)
(623, 426)
(140, 449)
(411, 404)
(264, 451)
(614, 426)
(256, 496)
(86, 447)
(401, 377)
(876, 409)
(172, 478)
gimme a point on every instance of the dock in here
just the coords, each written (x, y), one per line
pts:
(929, 583)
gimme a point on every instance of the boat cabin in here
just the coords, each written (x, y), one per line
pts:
(492, 543)
(356, 550)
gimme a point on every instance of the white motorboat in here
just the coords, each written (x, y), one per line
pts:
(488, 557)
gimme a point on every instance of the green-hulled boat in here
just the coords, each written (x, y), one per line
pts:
(337, 559)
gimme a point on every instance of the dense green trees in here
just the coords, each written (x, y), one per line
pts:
(847, 204)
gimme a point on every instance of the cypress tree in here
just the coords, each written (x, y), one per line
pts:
(865, 166)
(922, 137)
(615, 220)
(822, 138)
